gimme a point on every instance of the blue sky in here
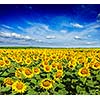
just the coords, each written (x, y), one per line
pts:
(75, 25)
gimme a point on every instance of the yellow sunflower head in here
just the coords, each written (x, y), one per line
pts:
(28, 73)
(36, 58)
(36, 70)
(2, 63)
(45, 62)
(18, 74)
(19, 87)
(54, 65)
(46, 84)
(7, 61)
(58, 75)
(72, 64)
(28, 61)
(8, 81)
(96, 65)
(84, 72)
(47, 68)
(59, 66)
(19, 59)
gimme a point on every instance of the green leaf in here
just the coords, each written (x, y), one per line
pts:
(5, 74)
(13, 93)
(60, 85)
(95, 72)
(89, 60)
(68, 73)
(83, 80)
(48, 75)
(43, 74)
(44, 93)
(90, 83)
(37, 77)
(92, 92)
(34, 81)
(73, 87)
(56, 93)
(27, 83)
(83, 92)
(5, 89)
(74, 80)
(80, 90)
(1, 79)
(67, 80)
(31, 92)
(98, 77)
(11, 70)
(62, 91)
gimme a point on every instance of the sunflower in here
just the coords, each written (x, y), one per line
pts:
(18, 59)
(59, 66)
(28, 61)
(46, 84)
(96, 65)
(18, 74)
(82, 60)
(20, 69)
(84, 72)
(8, 81)
(36, 70)
(2, 63)
(54, 65)
(19, 87)
(53, 57)
(72, 64)
(45, 62)
(6, 61)
(36, 58)
(28, 73)
(58, 74)
(47, 68)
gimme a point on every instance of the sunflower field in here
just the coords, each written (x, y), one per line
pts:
(50, 71)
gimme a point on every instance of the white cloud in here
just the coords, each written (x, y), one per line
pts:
(77, 25)
(42, 34)
(37, 29)
(63, 31)
(46, 27)
(98, 17)
(20, 28)
(6, 26)
(40, 41)
(50, 37)
(16, 35)
(77, 37)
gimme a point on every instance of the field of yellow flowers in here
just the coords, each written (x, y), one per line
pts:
(50, 71)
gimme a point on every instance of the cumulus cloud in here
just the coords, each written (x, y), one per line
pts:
(50, 37)
(77, 38)
(15, 35)
(93, 43)
(41, 35)
(98, 17)
(12, 38)
(40, 41)
(63, 31)
(76, 25)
